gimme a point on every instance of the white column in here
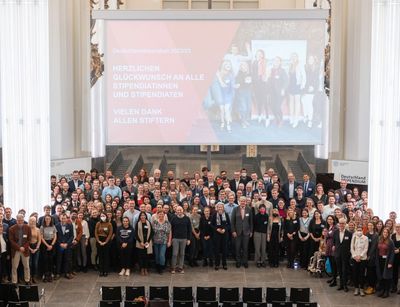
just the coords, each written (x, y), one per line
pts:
(24, 95)
(358, 77)
(97, 98)
(384, 147)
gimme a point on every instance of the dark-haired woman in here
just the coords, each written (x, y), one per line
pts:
(304, 238)
(125, 238)
(396, 263)
(371, 258)
(385, 258)
(317, 225)
(103, 234)
(49, 237)
(331, 226)
(144, 242)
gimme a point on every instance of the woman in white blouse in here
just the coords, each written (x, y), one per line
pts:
(359, 249)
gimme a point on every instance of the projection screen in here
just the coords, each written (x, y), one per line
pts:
(186, 78)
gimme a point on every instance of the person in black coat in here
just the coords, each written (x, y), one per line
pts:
(396, 264)
(341, 248)
(206, 232)
(373, 238)
(221, 226)
(384, 262)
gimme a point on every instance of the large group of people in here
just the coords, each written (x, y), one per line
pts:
(98, 222)
(254, 87)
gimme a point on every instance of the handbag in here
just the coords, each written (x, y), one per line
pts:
(328, 267)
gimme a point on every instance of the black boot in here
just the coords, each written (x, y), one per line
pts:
(385, 293)
(210, 263)
(205, 262)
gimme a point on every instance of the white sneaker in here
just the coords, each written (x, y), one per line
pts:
(127, 272)
(267, 122)
(309, 125)
(362, 293)
(356, 291)
(122, 272)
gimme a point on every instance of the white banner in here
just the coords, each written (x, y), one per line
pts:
(355, 172)
(65, 167)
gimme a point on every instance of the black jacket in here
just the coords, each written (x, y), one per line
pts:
(342, 250)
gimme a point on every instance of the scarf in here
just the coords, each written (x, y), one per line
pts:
(140, 235)
(219, 216)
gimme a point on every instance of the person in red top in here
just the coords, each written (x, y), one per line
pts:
(20, 236)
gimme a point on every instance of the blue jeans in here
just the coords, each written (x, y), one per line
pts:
(34, 263)
(159, 252)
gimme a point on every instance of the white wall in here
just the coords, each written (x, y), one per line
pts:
(62, 119)
(281, 4)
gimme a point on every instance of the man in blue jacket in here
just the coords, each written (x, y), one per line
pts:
(65, 236)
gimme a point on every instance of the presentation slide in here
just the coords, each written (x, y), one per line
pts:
(192, 82)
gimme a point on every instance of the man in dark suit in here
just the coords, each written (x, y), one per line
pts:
(65, 236)
(234, 183)
(343, 191)
(259, 188)
(210, 181)
(341, 249)
(75, 182)
(205, 198)
(289, 188)
(308, 186)
(242, 230)
(20, 237)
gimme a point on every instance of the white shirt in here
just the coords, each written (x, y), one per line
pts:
(291, 190)
(328, 210)
(341, 236)
(3, 245)
(85, 229)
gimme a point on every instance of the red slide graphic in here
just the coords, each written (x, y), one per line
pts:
(158, 74)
